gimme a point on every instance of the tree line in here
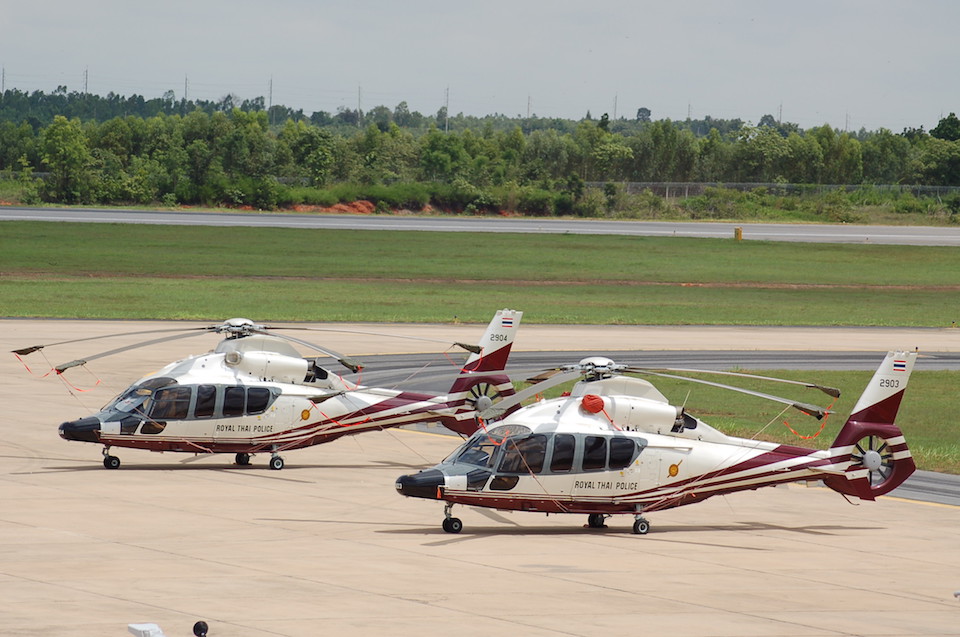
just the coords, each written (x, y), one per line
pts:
(243, 154)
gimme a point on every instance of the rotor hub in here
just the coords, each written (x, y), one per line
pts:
(872, 460)
(595, 367)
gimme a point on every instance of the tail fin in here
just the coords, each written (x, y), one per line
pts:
(475, 389)
(872, 448)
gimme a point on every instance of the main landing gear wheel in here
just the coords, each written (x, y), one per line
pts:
(111, 462)
(641, 526)
(596, 521)
(242, 459)
(452, 525)
(276, 463)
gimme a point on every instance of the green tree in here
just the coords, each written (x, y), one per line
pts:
(939, 162)
(442, 156)
(65, 152)
(713, 158)
(886, 158)
(948, 128)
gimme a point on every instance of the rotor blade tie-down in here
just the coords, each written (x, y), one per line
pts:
(27, 367)
(462, 369)
(823, 423)
(62, 377)
(313, 406)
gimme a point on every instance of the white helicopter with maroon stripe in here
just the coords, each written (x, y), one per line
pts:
(256, 394)
(615, 445)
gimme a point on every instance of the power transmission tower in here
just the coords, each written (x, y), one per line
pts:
(86, 77)
(446, 112)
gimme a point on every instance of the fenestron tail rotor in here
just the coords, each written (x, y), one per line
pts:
(874, 454)
(482, 396)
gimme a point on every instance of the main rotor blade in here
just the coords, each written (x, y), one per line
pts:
(812, 410)
(475, 349)
(61, 368)
(499, 407)
(36, 348)
(347, 362)
(830, 391)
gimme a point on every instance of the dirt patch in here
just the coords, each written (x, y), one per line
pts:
(361, 207)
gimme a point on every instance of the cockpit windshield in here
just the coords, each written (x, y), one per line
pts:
(480, 449)
(135, 398)
(132, 400)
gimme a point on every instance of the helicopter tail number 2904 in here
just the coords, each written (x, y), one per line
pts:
(255, 393)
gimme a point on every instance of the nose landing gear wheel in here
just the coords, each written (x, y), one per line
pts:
(452, 525)
(276, 463)
(111, 462)
(641, 526)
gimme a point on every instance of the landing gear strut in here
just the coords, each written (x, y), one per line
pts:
(596, 521)
(110, 462)
(450, 523)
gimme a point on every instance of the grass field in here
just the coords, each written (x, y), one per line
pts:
(164, 272)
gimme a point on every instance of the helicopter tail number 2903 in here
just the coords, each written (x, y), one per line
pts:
(615, 445)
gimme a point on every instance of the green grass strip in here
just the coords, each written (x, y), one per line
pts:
(179, 272)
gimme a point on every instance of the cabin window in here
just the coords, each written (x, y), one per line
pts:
(524, 455)
(563, 448)
(594, 453)
(206, 401)
(504, 483)
(152, 428)
(170, 403)
(257, 400)
(233, 401)
(621, 452)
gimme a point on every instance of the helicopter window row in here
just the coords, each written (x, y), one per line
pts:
(553, 453)
(174, 403)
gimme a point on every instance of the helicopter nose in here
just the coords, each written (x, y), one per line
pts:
(425, 484)
(85, 429)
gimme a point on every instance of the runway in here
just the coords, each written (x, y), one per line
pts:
(327, 546)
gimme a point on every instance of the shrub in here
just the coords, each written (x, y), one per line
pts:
(539, 203)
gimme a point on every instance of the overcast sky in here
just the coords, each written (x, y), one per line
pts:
(849, 63)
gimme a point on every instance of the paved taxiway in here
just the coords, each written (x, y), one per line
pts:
(816, 233)
(326, 546)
